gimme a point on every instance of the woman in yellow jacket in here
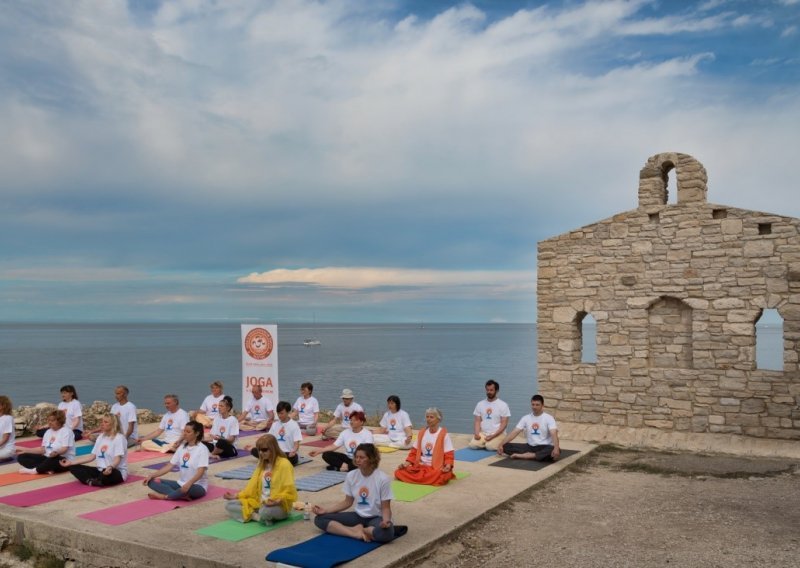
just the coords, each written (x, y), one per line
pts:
(270, 493)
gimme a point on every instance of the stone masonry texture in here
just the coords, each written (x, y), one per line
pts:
(676, 290)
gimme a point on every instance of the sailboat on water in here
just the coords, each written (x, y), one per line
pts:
(312, 341)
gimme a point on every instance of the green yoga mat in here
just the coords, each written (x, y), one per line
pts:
(235, 531)
(412, 492)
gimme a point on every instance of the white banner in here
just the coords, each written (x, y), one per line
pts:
(259, 361)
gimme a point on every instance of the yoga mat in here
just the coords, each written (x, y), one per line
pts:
(529, 465)
(246, 471)
(159, 465)
(56, 493)
(12, 478)
(319, 443)
(143, 508)
(410, 492)
(143, 455)
(473, 455)
(323, 551)
(387, 449)
(35, 443)
(235, 531)
(320, 481)
(84, 450)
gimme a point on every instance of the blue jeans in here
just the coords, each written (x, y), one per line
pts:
(172, 489)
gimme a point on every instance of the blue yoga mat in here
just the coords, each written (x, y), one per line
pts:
(84, 450)
(322, 551)
(472, 455)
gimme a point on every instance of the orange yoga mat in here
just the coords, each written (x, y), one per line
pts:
(12, 478)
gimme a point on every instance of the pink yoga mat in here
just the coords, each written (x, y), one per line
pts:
(35, 443)
(318, 443)
(55, 493)
(143, 508)
(143, 455)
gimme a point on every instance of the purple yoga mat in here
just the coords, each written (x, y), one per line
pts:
(143, 508)
(55, 493)
(159, 465)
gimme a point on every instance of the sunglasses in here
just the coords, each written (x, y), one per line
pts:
(263, 450)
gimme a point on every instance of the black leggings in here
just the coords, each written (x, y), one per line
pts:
(336, 459)
(85, 473)
(41, 463)
(228, 449)
(542, 452)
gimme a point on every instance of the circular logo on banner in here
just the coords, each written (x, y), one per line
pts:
(258, 343)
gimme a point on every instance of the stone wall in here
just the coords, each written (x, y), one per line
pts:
(676, 291)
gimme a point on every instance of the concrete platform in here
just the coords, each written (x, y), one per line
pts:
(169, 539)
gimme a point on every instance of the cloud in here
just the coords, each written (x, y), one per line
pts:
(361, 278)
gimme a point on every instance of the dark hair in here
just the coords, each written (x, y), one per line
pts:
(283, 405)
(308, 386)
(395, 399)
(229, 400)
(372, 453)
(70, 389)
(538, 397)
(494, 383)
(198, 431)
(126, 389)
(358, 414)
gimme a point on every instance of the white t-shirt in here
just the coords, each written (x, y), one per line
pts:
(73, 410)
(491, 414)
(7, 427)
(189, 459)
(429, 442)
(266, 485)
(306, 408)
(368, 492)
(396, 424)
(259, 409)
(173, 423)
(225, 427)
(286, 433)
(107, 448)
(127, 414)
(54, 440)
(349, 440)
(538, 428)
(211, 405)
(344, 412)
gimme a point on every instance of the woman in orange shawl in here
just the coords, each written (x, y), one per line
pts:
(430, 462)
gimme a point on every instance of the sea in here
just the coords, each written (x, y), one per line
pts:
(426, 365)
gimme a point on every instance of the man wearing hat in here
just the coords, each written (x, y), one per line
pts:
(341, 416)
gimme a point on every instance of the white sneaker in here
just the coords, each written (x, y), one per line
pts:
(28, 470)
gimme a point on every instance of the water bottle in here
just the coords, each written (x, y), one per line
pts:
(307, 512)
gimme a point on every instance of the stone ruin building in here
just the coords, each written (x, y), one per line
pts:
(676, 291)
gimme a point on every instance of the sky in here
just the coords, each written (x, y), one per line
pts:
(344, 161)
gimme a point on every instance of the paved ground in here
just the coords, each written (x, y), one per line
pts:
(170, 538)
(643, 509)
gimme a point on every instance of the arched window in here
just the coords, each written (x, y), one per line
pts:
(588, 331)
(769, 340)
(671, 182)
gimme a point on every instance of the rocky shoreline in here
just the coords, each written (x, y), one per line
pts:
(28, 418)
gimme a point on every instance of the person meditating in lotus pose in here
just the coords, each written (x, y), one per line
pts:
(224, 431)
(430, 462)
(371, 491)
(270, 493)
(395, 430)
(58, 443)
(111, 452)
(349, 439)
(192, 460)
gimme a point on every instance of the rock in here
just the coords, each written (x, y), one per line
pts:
(145, 416)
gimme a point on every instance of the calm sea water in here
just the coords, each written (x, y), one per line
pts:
(438, 365)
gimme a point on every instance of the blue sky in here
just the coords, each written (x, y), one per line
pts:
(361, 161)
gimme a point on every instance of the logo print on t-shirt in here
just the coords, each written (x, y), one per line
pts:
(363, 493)
(302, 407)
(52, 441)
(185, 458)
(268, 480)
(213, 409)
(169, 424)
(392, 424)
(488, 414)
(428, 449)
(257, 410)
(103, 449)
(281, 434)
(222, 430)
(346, 417)
(535, 428)
(351, 447)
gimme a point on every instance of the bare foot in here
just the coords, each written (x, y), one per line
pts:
(366, 535)
(344, 467)
(513, 457)
(156, 496)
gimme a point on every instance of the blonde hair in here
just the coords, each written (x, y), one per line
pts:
(268, 442)
(116, 427)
